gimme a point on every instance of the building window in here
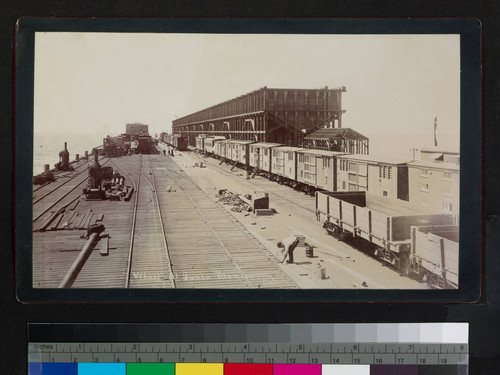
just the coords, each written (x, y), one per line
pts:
(343, 185)
(306, 159)
(424, 173)
(447, 206)
(447, 191)
(424, 187)
(290, 156)
(380, 171)
(301, 158)
(385, 193)
(389, 173)
(447, 175)
(353, 167)
(265, 152)
(306, 167)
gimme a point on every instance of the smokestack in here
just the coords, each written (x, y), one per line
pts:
(46, 167)
(77, 157)
(96, 156)
(86, 154)
(65, 146)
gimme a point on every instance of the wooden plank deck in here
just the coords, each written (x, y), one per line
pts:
(203, 248)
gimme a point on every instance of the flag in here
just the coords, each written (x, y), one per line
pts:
(435, 130)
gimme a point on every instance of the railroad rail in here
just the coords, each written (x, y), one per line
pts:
(148, 264)
(279, 199)
(69, 177)
(43, 205)
(209, 249)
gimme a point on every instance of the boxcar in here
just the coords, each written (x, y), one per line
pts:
(284, 164)
(240, 151)
(317, 169)
(260, 156)
(383, 224)
(200, 142)
(209, 143)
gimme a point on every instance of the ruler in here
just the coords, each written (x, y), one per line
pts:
(438, 344)
(306, 353)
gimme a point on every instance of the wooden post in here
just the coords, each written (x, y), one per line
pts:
(79, 262)
(443, 260)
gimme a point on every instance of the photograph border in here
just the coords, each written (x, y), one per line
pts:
(471, 236)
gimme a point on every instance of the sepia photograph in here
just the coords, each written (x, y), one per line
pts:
(175, 161)
(246, 161)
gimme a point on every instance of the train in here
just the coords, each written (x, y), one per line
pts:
(396, 232)
(307, 170)
(390, 228)
(136, 140)
(175, 140)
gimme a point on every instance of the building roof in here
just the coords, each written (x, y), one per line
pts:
(377, 159)
(435, 165)
(320, 152)
(331, 133)
(240, 141)
(289, 148)
(266, 144)
(440, 150)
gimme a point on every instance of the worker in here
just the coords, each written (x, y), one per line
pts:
(288, 245)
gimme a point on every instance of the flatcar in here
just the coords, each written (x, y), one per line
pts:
(379, 226)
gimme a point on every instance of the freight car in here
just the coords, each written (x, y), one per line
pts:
(260, 157)
(175, 140)
(209, 143)
(434, 254)
(146, 145)
(377, 225)
(116, 146)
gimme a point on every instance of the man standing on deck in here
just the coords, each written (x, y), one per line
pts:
(288, 245)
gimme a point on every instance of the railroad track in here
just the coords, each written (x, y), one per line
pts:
(287, 203)
(65, 196)
(148, 264)
(208, 247)
(276, 197)
(62, 174)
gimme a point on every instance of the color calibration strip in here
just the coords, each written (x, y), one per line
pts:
(289, 349)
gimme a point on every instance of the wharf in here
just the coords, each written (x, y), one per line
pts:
(169, 235)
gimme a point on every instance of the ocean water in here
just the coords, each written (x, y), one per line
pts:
(46, 147)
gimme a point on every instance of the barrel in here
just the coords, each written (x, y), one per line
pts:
(309, 251)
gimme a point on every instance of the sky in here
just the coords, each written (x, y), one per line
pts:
(98, 82)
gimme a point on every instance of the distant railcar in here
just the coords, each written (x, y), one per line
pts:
(175, 140)
(209, 143)
(145, 145)
(317, 169)
(260, 157)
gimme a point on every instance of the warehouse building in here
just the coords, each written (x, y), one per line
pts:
(267, 115)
